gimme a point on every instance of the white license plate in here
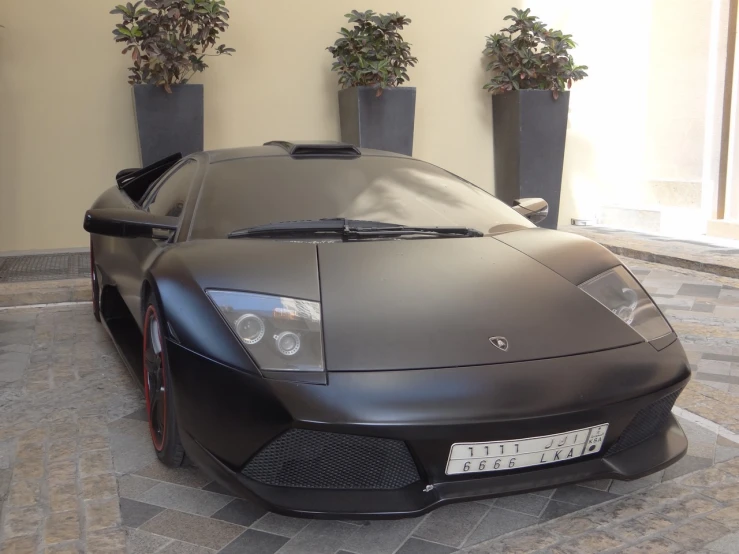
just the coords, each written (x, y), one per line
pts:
(477, 457)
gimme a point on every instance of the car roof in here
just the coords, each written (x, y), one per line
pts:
(274, 150)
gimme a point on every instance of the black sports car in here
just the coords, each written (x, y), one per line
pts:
(336, 331)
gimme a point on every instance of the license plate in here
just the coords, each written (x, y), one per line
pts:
(477, 457)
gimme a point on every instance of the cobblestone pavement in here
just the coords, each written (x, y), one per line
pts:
(713, 255)
(78, 473)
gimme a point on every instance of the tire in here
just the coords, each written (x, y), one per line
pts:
(95, 286)
(159, 396)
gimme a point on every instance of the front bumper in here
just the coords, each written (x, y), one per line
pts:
(226, 417)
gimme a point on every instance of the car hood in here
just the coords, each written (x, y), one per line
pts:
(430, 303)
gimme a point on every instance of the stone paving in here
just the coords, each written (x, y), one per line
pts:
(708, 254)
(78, 473)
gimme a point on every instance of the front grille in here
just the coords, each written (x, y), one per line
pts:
(316, 460)
(647, 422)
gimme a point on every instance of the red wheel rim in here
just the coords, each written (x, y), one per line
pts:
(155, 379)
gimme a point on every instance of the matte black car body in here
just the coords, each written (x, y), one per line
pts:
(406, 328)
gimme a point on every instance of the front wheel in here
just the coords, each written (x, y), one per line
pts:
(158, 392)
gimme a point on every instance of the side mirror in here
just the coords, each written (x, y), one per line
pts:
(130, 223)
(533, 209)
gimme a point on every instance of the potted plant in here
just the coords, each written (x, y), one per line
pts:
(532, 72)
(372, 61)
(168, 41)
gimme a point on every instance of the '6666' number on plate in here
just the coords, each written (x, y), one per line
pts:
(497, 464)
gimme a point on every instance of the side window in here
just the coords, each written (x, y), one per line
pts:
(169, 197)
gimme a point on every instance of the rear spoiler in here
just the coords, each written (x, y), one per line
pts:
(135, 182)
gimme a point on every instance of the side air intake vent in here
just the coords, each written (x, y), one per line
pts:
(317, 149)
(647, 422)
(318, 460)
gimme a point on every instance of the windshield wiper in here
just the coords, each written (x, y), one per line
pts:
(348, 229)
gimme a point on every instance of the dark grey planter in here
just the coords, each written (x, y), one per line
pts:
(383, 122)
(168, 123)
(529, 130)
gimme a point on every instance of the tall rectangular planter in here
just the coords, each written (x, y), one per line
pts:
(168, 123)
(384, 122)
(529, 131)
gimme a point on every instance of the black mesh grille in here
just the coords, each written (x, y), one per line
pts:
(317, 460)
(646, 423)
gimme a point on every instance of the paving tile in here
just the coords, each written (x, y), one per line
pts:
(640, 527)
(241, 512)
(179, 547)
(108, 541)
(24, 493)
(728, 544)
(626, 487)
(203, 531)
(380, 537)
(98, 486)
(702, 291)
(20, 522)
(184, 499)
(95, 462)
(62, 526)
(139, 414)
(721, 357)
(214, 486)
(688, 464)
(134, 514)
(495, 523)
(729, 516)
(133, 486)
(557, 509)
(452, 523)
(102, 514)
(418, 546)
(186, 476)
(141, 542)
(600, 484)
(319, 537)
(688, 507)
(523, 542)
(698, 532)
(707, 478)
(656, 545)
(130, 444)
(255, 542)
(63, 496)
(582, 496)
(590, 543)
(280, 525)
(570, 526)
(525, 503)
(19, 545)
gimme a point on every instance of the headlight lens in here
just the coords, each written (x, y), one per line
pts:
(280, 333)
(618, 291)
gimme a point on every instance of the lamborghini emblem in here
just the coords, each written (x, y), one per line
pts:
(499, 342)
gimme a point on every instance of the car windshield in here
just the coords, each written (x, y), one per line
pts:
(248, 192)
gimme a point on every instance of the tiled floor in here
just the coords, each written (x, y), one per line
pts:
(77, 471)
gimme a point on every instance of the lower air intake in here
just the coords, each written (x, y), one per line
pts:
(647, 422)
(316, 460)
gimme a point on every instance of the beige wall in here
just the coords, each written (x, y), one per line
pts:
(66, 115)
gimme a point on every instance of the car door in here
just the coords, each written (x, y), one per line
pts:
(168, 196)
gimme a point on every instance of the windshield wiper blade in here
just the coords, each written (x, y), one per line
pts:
(400, 230)
(348, 229)
(301, 227)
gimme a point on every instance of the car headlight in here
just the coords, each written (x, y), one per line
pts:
(618, 291)
(279, 333)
